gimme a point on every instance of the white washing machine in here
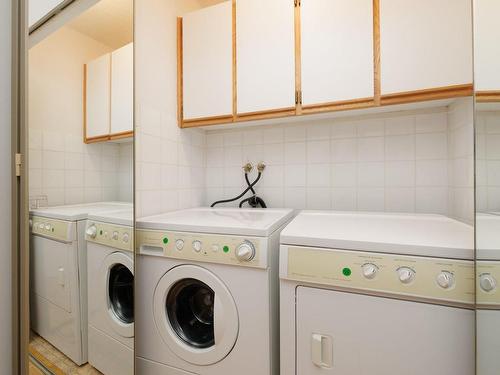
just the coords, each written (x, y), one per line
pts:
(58, 267)
(110, 270)
(382, 294)
(209, 292)
(488, 293)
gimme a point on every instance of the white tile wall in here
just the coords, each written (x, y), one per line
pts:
(169, 162)
(394, 162)
(68, 171)
(488, 161)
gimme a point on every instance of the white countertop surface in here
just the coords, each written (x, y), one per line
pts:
(407, 234)
(487, 236)
(120, 217)
(78, 211)
(229, 221)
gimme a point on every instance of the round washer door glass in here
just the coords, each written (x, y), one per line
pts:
(117, 290)
(121, 293)
(196, 315)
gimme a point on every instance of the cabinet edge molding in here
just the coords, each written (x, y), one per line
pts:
(492, 96)
(446, 92)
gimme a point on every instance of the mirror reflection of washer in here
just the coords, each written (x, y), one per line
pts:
(111, 292)
(209, 291)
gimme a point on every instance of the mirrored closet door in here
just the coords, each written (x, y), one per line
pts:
(487, 82)
(81, 132)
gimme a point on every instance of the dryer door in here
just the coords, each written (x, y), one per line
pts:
(196, 315)
(118, 273)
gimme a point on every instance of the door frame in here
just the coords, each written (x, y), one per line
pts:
(20, 197)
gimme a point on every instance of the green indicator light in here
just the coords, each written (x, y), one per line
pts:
(165, 240)
(346, 271)
(100, 232)
(226, 249)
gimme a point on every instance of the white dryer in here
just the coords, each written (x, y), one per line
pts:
(488, 293)
(58, 267)
(110, 270)
(209, 292)
(366, 293)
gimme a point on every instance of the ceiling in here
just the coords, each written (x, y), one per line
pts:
(109, 22)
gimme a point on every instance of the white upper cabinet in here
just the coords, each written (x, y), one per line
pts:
(487, 45)
(265, 48)
(122, 89)
(98, 97)
(207, 62)
(425, 44)
(40, 8)
(337, 50)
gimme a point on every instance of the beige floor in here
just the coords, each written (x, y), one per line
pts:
(54, 360)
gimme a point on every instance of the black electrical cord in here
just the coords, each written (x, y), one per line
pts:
(239, 196)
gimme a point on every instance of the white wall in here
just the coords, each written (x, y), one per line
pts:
(388, 162)
(169, 161)
(61, 165)
(5, 188)
(488, 160)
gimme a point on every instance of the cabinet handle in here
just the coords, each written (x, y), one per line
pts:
(322, 350)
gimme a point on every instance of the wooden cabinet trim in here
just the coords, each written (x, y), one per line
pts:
(376, 52)
(235, 66)
(492, 96)
(122, 135)
(84, 103)
(446, 92)
(298, 60)
(180, 82)
(339, 106)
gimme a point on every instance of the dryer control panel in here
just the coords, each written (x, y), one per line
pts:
(117, 236)
(213, 248)
(487, 284)
(58, 230)
(421, 278)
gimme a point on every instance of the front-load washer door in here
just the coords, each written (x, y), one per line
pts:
(118, 291)
(195, 315)
(341, 333)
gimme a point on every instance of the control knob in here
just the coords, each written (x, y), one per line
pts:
(179, 244)
(487, 282)
(369, 270)
(197, 246)
(445, 280)
(92, 231)
(125, 237)
(245, 251)
(115, 236)
(406, 275)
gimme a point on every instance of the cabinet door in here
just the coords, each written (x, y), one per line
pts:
(98, 95)
(486, 45)
(337, 50)
(207, 62)
(122, 89)
(265, 48)
(37, 9)
(425, 44)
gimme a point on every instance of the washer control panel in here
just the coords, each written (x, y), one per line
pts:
(234, 250)
(426, 278)
(488, 283)
(117, 236)
(58, 230)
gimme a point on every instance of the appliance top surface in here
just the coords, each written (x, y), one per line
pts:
(121, 217)
(78, 211)
(488, 236)
(407, 234)
(230, 221)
